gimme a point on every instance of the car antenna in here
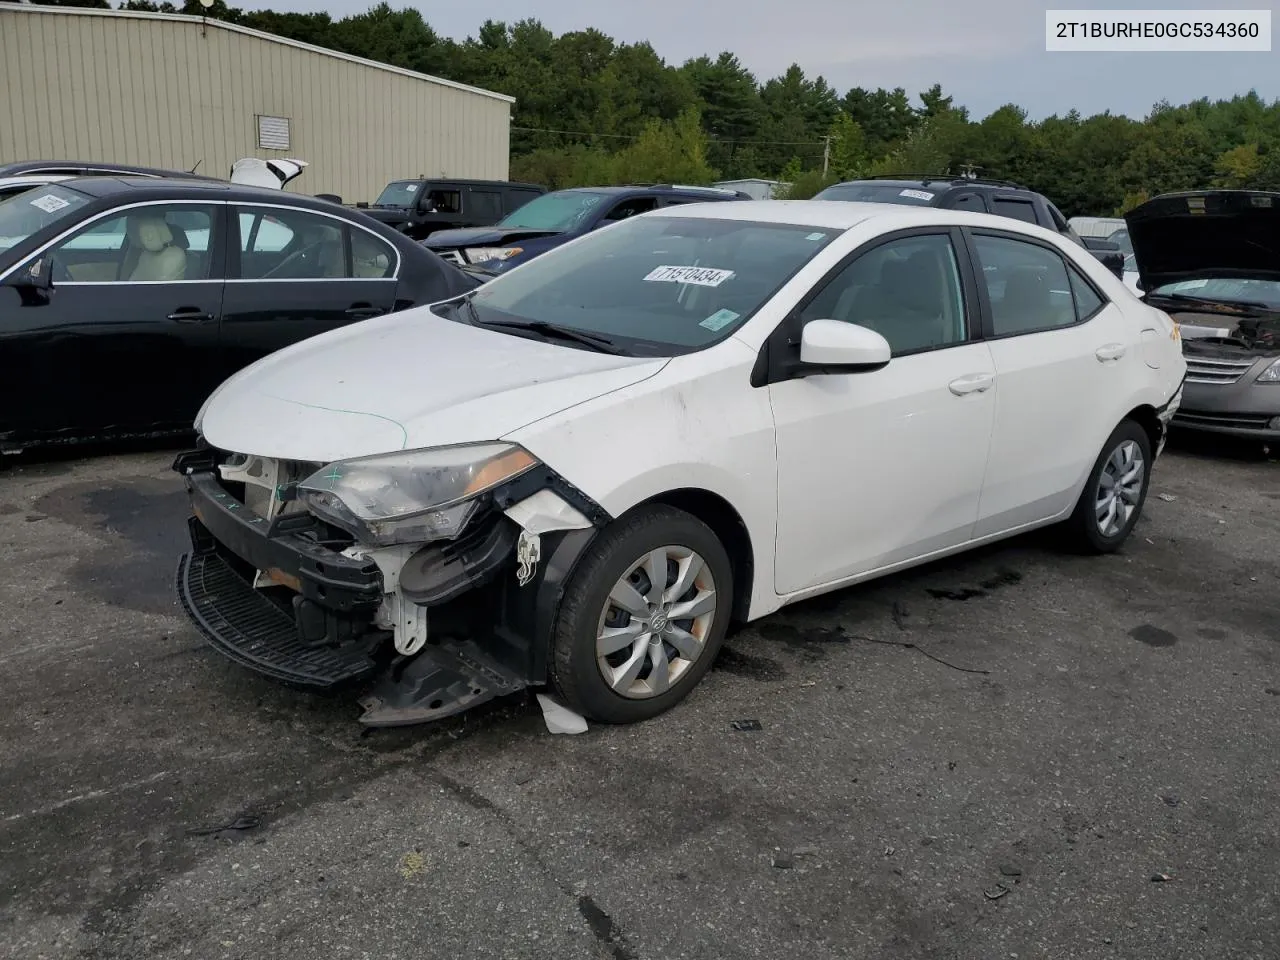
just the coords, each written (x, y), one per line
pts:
(197, 166)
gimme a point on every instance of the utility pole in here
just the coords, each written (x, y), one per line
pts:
(826, 154)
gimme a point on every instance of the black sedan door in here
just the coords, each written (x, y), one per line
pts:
(295, 273)
(128, 340)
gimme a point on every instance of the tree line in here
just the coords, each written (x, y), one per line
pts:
(590, 110)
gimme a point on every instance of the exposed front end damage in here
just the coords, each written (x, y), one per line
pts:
(422, 630)
(1233, 379)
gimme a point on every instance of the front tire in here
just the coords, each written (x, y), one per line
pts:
(643, 617)
(1112, 499)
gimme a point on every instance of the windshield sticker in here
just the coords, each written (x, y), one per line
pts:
(816, 236)
(719, 320)
(917, 194)
(701, 276)
(49, 203)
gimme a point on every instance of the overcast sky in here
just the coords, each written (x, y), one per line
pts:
(985, 53)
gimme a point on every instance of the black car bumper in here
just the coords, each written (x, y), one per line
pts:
(318, 626)
(320, 633)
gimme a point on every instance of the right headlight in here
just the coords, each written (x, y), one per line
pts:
(415, 496)
(1271, 374)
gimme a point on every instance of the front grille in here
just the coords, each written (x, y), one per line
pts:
(1204, 370)
(453, 256)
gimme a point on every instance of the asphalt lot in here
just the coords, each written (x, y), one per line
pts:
(1122, 724)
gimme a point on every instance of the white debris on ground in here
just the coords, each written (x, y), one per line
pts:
(560, 719)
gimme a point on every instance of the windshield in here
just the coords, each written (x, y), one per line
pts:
(1260, 291)
(879, 193)
(398, 194)
(30, 212)
(557, 212)
(654, 285)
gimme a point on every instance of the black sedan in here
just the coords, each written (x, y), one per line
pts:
(124, 302)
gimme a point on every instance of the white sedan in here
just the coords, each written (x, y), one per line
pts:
(578, 474)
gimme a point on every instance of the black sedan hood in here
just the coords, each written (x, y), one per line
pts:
(1206, 234)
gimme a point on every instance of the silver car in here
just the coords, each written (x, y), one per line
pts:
(1211, 260)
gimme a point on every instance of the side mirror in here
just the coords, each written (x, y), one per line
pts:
(34, 282)
(838, 347)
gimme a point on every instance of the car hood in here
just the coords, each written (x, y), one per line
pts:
(400, 382)
(480, 237)
(388, 214)
(1206, 234)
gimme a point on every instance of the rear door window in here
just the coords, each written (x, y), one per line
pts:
(630, 208)
(969, 201)
(1017, 209)
(486, 204)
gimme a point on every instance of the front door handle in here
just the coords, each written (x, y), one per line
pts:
(190, 315)
(975, 383)
(364, 310)
(1109, 352)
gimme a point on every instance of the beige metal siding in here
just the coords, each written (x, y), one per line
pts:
(171, 93)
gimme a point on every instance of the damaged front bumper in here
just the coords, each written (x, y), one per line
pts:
(1166, 414)
(426, 630)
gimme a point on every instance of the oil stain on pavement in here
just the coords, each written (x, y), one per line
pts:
(144, 525)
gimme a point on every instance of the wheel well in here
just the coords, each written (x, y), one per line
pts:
(1145, 417)
(725, 523)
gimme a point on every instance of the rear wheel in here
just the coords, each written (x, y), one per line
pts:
(1115, 492)
(643, 617)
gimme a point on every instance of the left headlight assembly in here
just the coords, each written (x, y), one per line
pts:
(486, 254)
(412, 497)
(1271, 374)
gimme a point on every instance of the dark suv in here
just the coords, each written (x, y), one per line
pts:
(421, 207)
(556, 218)
(999, 197)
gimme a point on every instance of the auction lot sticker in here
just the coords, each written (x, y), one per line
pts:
(49, 203)
(702, 276)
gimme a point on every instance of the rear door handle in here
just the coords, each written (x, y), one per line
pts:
(1109, 352)
(975, 383)
(364, 310)
(190, 315)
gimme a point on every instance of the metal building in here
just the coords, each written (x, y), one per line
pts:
(174, 91)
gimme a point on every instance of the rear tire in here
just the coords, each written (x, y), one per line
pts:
(625, 647)
(1113, 496)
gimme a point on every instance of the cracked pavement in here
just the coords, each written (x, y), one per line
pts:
(991, 756)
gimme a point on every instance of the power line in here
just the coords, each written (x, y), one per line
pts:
(625, 136)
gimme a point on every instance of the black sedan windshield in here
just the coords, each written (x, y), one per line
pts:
(660, 284)
(28, 213)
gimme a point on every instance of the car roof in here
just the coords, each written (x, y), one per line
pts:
(938, 183)
(665, 189)
(843, 214)
(62, 167)
(487, 183)
(160, 188)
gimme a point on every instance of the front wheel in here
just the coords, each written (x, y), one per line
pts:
(643, 617)
(1112, 499)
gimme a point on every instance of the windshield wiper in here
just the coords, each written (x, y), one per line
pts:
(1218, 301)
(595, 341)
